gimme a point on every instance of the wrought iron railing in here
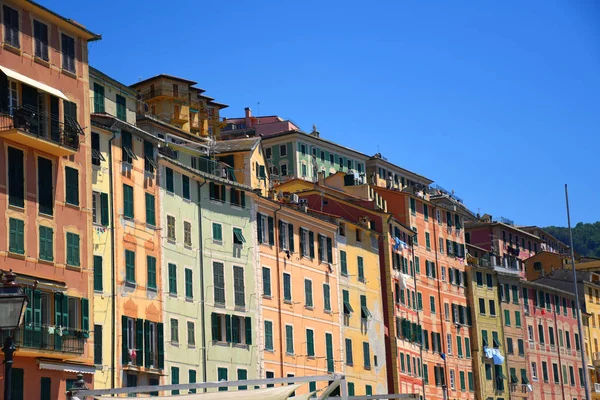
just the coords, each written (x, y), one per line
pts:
(167, 92)
(51, 338)
(42, 125)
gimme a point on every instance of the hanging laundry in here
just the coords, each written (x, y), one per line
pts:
(50, 330)
(497, 357)
(489, 352)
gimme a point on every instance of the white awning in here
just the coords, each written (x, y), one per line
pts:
(31, 82)
(65, 367)
(276, 393)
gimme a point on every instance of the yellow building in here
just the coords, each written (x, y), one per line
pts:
(591, 290)
(176, 101)
(363, 329)
(246, 158)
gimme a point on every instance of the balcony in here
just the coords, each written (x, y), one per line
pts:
(596, 359)
(45, 338)
(596, 387)
(216, 168)
(179, 118)
(161, 93)
(40, 130)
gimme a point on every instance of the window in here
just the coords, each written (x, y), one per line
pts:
(489, 283)
(452, 379)
(174, 330)
(150, 210)
(427, 241)
(185, 186)
(289, 339)
(492, 308)
(151, 264)
(266, 232)
(441, 245)
(72, 186)
(361, 269)
(482, 306)
(16, 189)
(308, 297)
(68, 52)
(521, 346)
(98, 273)
(518, 319)
(242, 375)
(45, 189)
(572, 375)
(534, 375)
(189, 284)
(128, 201)
(365, 313)
(121, 108)
(11, 26)
(217, 230)
(191, 334)
(326, 297)
(467, 347)
(266, 274)
(171, 228)
(304, 169)
(307, 245)
(509, 346)
(129, 266)
(46, 243)
(149, 164)
(545, 371)
(169, 178)
(219, 282)
(238, 197)
(72, 249)
(325, 249)
(238, 286)
(127, 149)
(432, 304)
(310, 343)
(287, 287)
(343, 263)
(268, 153)
(413, 206)
(479, 278)
(221, 377)
(283, 150)
(187, 233)
(269, 335)
(551, 336)
(367, 355)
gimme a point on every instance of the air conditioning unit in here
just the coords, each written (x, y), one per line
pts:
(294, 199)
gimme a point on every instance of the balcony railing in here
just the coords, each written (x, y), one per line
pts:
(216, 168)
(42, 125)
(164, 92)
(42, 337)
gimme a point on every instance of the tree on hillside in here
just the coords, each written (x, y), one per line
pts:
(586, 237)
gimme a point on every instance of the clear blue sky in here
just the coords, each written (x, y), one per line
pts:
(497, 100)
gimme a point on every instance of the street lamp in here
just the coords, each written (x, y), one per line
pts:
(13, 301)
(78, 385)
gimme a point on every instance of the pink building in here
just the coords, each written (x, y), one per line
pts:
(255, 126)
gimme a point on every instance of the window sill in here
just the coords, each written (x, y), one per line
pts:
(68, 73)
(41, 61)
(73, 267)
(16, 255)
(267, 296)
(187, 246)
(311, 308)
(367, 368)
(172, 241)
(288, 302)
(151, 289)
(151, 226)
(218, 242)
(130, 284)
(71, 205)
(12, 49)
(189, 299)
(47, 262)
(220, 305)
(16, 208)
(174, 344)
(173, 295)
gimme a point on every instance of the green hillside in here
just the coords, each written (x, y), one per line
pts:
(586, 237)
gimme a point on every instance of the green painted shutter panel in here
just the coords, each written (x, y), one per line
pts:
(85, 316)
(228, 328)
(169, 179)
(311, 243)
(151, 263)
(343, 262)
(235, 331)
(147, 358)
(287, 287)
(65, 311)
(329, 347)
(185, 183)
(139, 339)
(128, 208)
(310, 343)
(45, 195)
(37, 310)
(172, 279)
(259, 227)
(367, 355)
(289, 339)
(268, 335)
(214, 323)
(129, 266)
(291, 237)
(124, 349)
(72, 185)
(248, 326)
(271, 231)
(45, 388)
(266, 281)
(161, 345)
(280, 228)
(326, 297)
(104, 209)
(28, 318)
(308, 293)
(150, 210)
(329, 250)
(18, 384)
(98, 273)
(16, 191)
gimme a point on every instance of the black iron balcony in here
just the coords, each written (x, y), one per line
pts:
(40, 130)
(42, 337)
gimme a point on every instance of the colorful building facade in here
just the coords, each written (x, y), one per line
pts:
(45, 197)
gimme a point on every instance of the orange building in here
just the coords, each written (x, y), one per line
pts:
(300, 332)
(45, 194)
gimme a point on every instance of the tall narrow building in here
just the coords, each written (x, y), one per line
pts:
(45, 195)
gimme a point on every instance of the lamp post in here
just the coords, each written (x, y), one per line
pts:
(78, 385)
(13, 301)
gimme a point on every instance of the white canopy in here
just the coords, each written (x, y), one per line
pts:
(276, 393)
(32, 82)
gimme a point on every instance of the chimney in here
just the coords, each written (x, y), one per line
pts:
(248, 112)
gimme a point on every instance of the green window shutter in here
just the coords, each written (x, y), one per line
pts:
(37, 310)
(85, 316)
(426, 374)
(128, 201)
(349, 358)
(72, 249)
(161, 344)
(147, 356)
(271, 231)
(18, 383)
(16, 236)
(326, 297)
(311, 244)
(329, 250)
(228, 328)
(16, 178)
(98, 98)
(214, 323)
(189, 286)
(72, 185)
(471, 381)
(507, 317)
(367, 355)
(28, 318)
(459, 346)
(104, 209)
(343, 263)
(281, 234)
(222, 376)
(98, 273)
(169, 179)
(151, 263)
(192, 378)
(310, 343)
(235, 333)
(124, 348)
(185, 183)
(46, 244)
(419, 301)
(361, 269)
(266, 281)
(121, 108)
(150, 210)
(217, 232)
(308, 293)
(259, 227)
(287, 287)
(268, 335)
(350, 388)
(291, 237)
(248, 327)
(242, 375)
(462, 380)
(289, 339)
(129, 266)
(174, 379)
(172, 279)
(139, 339)
(467, 347)
(45, 388)
(329, 349)
(45, 190)
(517, 318)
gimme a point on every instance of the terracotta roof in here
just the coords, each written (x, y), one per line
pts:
(235, 145)
(166, 76)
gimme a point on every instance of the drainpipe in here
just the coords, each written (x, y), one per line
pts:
(439, 284)
(113, 336)
(202, 310)
(279, 296)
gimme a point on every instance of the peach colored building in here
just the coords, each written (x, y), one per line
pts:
(300, 327)
(45, 194)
